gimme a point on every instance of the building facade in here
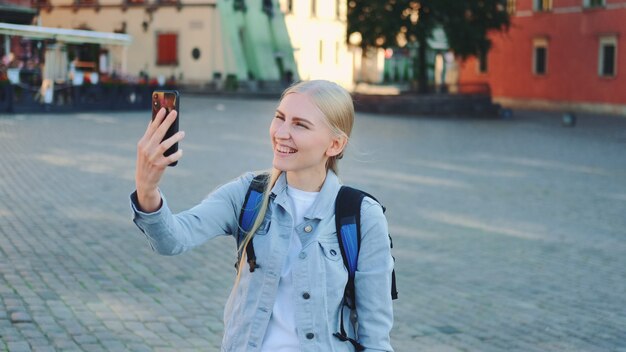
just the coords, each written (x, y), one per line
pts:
(205, 41)
(317, 30)
(558, 54)
(170, 38)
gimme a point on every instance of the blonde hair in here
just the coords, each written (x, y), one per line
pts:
(336, 104)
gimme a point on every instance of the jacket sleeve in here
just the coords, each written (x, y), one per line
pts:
(217, 214)
(373, 280)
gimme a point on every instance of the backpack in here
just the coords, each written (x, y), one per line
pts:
(347, 223)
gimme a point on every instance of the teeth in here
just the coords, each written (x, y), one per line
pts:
(284, 149)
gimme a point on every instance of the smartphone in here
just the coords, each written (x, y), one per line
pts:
(170, 100)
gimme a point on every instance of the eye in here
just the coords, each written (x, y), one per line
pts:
(279, 117)
(300, 124)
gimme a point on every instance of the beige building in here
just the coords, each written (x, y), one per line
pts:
(164, 36)
(196, 41)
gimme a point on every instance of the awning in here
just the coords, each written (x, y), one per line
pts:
(11, 13)
(65, 35)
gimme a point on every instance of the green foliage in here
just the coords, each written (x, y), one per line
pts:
(399, 23)
(465, 22)
(371, 20)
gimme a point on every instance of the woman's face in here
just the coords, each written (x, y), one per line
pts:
(301, 138)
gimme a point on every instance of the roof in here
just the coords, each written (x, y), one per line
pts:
(65, 35)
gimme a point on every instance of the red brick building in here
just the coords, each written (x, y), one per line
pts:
(558, 54)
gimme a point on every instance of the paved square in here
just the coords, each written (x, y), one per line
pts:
(509, 234)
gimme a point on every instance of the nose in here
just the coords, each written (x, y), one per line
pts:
(282, 132)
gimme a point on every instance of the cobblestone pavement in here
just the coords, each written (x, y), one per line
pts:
(509, 234)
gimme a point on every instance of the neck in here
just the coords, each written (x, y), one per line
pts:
(307, 181)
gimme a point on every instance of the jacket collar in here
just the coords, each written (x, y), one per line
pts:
(323, 206)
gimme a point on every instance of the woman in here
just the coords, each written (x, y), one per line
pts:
(292, 301)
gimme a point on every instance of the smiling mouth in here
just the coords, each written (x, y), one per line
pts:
(285, 150)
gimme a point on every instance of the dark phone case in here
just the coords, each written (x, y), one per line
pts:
(158, 101)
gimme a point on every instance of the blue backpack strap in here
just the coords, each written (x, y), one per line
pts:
(248, 215)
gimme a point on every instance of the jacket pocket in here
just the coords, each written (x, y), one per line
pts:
(264, 228)
(331, 250)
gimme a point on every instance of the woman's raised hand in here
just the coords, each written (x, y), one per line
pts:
(151, 163)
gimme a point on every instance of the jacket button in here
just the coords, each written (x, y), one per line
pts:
(302, 255)
(308, 228)
(306, 295)
(310, 336)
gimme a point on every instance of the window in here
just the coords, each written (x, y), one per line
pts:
(482, 61)
(510, 6)
(167, 49)
(85, 2)
(540, 56)
(608, 56)
(594, 3)
(313, 8)
(543, 5)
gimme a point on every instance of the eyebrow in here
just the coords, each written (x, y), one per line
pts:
(297, 118)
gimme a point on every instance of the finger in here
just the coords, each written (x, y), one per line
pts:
(166, 144)
(154, 123)
(171, 158)
(158, 153)
(158, 119)
(157, 136)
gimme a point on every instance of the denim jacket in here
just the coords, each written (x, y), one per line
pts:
(319, 275)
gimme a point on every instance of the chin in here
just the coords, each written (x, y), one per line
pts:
(281, 167)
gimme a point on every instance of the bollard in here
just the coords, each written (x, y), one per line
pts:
(505, 113)
(568, 119)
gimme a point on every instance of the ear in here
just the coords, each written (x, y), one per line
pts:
(337, 146)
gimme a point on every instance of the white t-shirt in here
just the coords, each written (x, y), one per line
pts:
(281, 333)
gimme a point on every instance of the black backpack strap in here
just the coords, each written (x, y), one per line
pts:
(348, 225)
(248, 215)
(347, 222)
(394, 290)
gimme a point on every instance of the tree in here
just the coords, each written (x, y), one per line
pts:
(398, 23)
